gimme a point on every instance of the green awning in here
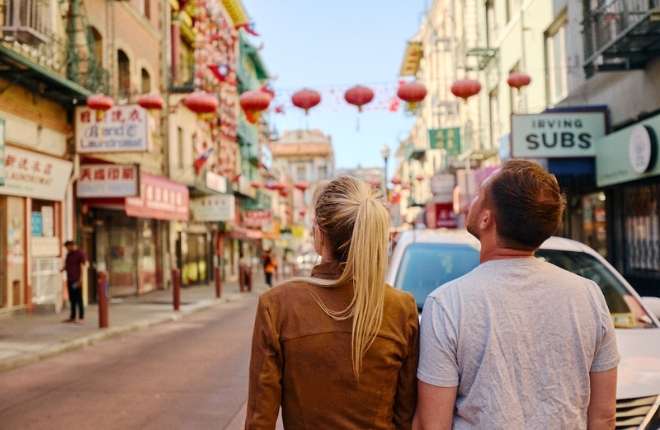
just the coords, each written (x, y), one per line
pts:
(14, 67)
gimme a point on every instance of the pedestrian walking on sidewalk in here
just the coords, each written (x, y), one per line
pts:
(244, 272)
(270, 266)
(73, 266)
(517, 343)
(337, 350)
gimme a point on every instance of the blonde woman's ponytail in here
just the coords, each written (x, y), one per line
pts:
(367, 261)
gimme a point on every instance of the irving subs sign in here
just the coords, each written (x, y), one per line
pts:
(556, 134)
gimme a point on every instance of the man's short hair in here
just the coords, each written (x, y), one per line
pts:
(527, 203)
(69, 242)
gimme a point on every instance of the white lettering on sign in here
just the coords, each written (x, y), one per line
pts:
(108, 180)
(120, 129)
(550, 135)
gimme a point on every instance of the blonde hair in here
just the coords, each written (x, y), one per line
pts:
(355, 221)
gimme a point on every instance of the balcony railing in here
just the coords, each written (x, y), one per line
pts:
(621, 34)
(27, 21)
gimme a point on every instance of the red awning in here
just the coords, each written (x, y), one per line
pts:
(242, 233)
(160, 198)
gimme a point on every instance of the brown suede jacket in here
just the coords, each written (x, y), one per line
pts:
(301, 360)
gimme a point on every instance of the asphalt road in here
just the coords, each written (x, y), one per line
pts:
(189, 374)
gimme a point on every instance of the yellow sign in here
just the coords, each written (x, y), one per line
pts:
(236, 12)
(298, 231)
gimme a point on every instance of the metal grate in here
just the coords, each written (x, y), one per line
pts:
(636, 414)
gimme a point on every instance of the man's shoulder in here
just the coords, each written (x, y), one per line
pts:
(453, 288)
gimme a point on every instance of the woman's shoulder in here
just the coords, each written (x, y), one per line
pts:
(396, 299)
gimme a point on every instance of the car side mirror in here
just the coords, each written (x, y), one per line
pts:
(652, 304)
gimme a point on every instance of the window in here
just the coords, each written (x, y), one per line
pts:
(494, 117)
(146, 81)
(323, 172)
(123, 74)
(27, 21)
(147, 9)
(98, 44)
(641, 205)
(491, 23)
(187, 63)
(511, 8)
(555, 61)
(180, 144)
(301, 173)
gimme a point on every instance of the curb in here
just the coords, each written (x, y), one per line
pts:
(103, 334)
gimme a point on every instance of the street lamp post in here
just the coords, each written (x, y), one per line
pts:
(385, 153)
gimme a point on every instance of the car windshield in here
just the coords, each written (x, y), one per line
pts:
(625, 308)
(426, 266)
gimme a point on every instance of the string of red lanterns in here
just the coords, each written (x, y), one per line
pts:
(411, 93)
(359, 96)
(306, 99)
(465, 88)
(518, 80)
(253, 103)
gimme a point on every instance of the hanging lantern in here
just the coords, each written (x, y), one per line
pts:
(302, 186)
(271, 186)
(419, 178)
(100, 102)
(283, 192)
(306, 99)
(396, 180)
(465, 88)
(201, 102)
(518, 80)
(412, 93)
(359, 96)
(256, 185)
(151, 101)
(302, 212)
(253, 103)
(236, 178)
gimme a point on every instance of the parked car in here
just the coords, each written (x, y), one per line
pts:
(423, 260)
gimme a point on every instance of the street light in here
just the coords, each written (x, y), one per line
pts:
(385, 153)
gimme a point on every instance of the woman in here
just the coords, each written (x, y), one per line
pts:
(337, 350)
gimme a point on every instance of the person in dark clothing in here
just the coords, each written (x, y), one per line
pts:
(269, 267)
(75, 259)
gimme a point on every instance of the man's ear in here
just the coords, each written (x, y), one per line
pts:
(486, 219)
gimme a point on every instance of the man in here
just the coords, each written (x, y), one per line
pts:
(73, 264)
(269, 267)
(517, 343)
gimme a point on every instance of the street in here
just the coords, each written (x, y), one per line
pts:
(190, 373)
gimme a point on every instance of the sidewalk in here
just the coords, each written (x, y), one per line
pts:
(28, 338)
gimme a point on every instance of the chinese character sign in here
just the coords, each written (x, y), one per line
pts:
(108, 180)
(159, 198)
(220, 207)
(29, 174)
(120, 129)
(448, 139)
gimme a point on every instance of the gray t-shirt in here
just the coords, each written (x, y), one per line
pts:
(518, 337)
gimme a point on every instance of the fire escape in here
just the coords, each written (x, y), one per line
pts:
(620, 34)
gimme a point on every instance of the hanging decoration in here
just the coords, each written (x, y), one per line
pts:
(359, 96)
(256, 185)
(151, 101)
(302, 212)
(518, 80)
(100, 102)
(411, 93)
(201, 102)
(306, 99)
(396, 181)
(302, 186)
(253, 103)
(248, 27)
(220, 71)
(465, 88)
(419, 178)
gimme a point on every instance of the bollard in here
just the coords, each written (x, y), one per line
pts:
(102, 294)
(248, 275)
(176, 289)
(218, 283)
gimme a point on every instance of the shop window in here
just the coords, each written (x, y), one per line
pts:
(146, 81)
(642, 227)
(123, 74)
(43, 218)
(98, 44)
(594, 222)
(556, 67)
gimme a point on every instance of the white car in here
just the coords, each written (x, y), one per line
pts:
(425, 259)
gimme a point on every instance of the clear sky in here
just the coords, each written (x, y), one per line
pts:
(330, 46)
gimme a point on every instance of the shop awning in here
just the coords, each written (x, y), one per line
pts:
(14, 67)
(242, 233)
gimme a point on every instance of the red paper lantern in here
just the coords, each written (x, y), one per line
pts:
(518, 80)
(306, 99)
(100, 102)
(396, 180)
(419, 178)
(272, 186)
(201, 102)
(302, 212)
(253, 103)
(359, 96)
(256, 184)
(411, 92)
(302, 186)
(283, 192)
(151, 101)
(465, 88)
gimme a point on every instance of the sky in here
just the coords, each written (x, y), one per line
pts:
(330, 46)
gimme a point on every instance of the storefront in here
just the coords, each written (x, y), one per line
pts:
(125, 217)
(627, 167)
(32, 194)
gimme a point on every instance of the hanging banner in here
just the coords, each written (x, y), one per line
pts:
(108, 180)
(29, 174)
(220, 207)
(556, 134)
(120, 129)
